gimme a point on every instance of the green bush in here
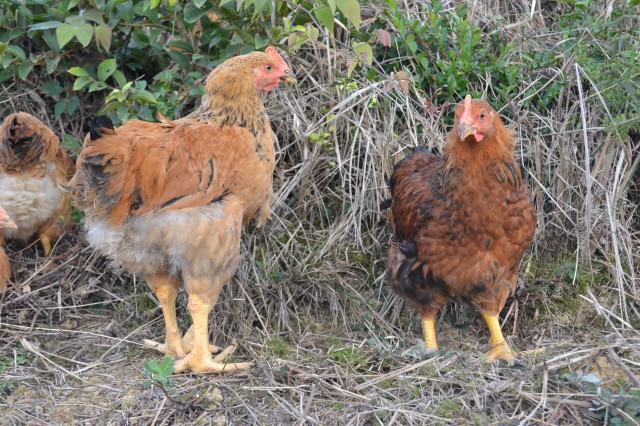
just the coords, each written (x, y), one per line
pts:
(144, 57)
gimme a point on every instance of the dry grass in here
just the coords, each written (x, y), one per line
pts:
(332, 344)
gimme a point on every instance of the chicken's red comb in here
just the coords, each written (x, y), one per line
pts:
(467, 102)
(466, 109)
(273, 54)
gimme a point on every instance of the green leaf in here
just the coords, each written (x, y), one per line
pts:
(81, 82)
(364, 50)
(199, 3)
(351, 10)
(98, 85)
(84, 32)
(93, 15)
(24, 70)
(74, 103)
(52, 88)
(143, 95)
(45, 25)
(103, 35)
(106, 68)
(325, 16)
(313, 32)
(52, 63)
(78, 72)
(60, 107)
(167, 366)
(64, 34)
(119, 77)
(259, 6)
(192, 13)
(70, 142)
(260, 41)
(352, 65)
(180, 58)
(332, 5)
(17, 52)
(153, 4)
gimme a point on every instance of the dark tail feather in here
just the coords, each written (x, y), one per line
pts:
(12, 128)
(97, 125)
(385, 204)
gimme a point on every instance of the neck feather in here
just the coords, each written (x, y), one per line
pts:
(231, 99)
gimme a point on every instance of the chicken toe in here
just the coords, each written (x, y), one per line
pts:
(499, 347)
(207, 364)
(172, 346)
(500, 351)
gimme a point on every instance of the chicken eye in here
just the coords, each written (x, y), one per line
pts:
(482, 115)
(269, 67)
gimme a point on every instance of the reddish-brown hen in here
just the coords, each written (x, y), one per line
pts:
(169, 200)
(33, 166)
(5, 268)
(461, 223)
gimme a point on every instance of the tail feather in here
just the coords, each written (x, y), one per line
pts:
(102, 182)
(98, 125)
(385, 204)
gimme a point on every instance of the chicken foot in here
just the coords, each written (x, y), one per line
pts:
(199, 360)
(499, 347)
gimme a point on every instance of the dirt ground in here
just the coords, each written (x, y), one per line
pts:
(326, 349)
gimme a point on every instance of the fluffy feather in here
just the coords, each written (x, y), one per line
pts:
(461, 223)
(168, 200)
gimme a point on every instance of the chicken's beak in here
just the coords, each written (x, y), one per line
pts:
(289, 77)
(466, 130)
(8, 224)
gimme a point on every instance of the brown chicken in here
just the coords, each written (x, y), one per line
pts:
(5, 268)
(33, 167)
(168, 200)
(461, 223)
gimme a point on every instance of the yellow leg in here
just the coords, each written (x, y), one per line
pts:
(167, 294)
(429, 328)
(46, 244)
(499, 347)
(199, 359)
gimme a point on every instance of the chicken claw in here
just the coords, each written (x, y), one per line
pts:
(203, 363)
(500, 351)
(172, 347)
(499, 347)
